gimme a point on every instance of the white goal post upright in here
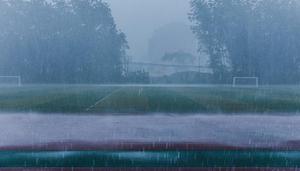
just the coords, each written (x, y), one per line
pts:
(236, 79)
(10, 80)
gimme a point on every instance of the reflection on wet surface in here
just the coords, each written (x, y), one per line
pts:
(232, 130)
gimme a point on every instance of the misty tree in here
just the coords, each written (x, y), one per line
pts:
(72, 41)
(250, 38)
(179, 57)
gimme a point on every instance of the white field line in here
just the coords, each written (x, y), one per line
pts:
(102, 99)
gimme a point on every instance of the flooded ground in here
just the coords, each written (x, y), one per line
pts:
(233, 130)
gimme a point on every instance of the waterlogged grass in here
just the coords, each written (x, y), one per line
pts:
(245, 100)
(50, 99)
(135, 100)
(117, 99)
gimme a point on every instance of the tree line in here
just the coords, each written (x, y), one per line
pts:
(77, 41)
(73, 41)
(250, 38)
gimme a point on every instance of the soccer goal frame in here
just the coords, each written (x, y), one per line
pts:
(17, 78)
(235, 79)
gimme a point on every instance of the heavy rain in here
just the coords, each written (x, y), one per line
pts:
(149, 85)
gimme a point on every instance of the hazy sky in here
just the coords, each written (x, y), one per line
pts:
(139, 18)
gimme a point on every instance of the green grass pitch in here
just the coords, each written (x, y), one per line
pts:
(140, 100)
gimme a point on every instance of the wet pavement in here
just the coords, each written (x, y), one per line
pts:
(230, 130)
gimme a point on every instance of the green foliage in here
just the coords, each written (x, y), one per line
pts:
(61, 42)
(250, 38)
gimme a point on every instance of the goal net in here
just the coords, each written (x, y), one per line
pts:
(10, 81)
(245, 81)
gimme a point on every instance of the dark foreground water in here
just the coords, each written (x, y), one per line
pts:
(154, 141)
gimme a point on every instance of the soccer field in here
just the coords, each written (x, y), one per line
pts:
(40, 130)
(149, 99)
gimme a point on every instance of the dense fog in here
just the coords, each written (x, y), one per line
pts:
(139, 19)
(142, 41)
(149, 85)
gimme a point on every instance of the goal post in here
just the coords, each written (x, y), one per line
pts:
(245, 82)
(10, 81)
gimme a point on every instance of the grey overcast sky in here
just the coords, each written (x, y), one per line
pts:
(139, 18)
